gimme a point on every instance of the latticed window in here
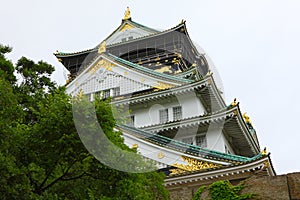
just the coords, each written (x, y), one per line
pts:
(201, 141)
(163, 116)
(106, 94)
(131, 120)
(116, 91)
(177, 113)
(188, 140)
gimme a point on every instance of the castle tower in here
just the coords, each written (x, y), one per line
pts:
(178, 116)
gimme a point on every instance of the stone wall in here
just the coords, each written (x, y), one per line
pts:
(282, 187)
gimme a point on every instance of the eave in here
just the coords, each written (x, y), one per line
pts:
(190, 150)
(243, 170)
(205, 89)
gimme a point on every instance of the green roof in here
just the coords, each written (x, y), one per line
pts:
(147, 70)
(186, 148)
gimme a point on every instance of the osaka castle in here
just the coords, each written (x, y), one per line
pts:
(178, 117)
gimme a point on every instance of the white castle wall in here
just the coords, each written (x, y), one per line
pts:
(148, 114)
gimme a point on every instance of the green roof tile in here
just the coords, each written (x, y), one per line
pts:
(139, 67)
(187, 148)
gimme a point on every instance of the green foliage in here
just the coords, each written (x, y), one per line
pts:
(6, 66)
(199, 192)
(222, 190)
(41, 154)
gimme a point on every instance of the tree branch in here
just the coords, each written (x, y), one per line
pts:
(58, 179)
(73, 178)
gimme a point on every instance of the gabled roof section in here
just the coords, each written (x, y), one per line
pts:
(139, 74)
(129, 30)
(127, 27)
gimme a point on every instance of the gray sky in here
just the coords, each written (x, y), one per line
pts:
(253, 43)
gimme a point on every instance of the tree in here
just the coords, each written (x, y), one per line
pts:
(222, 190)
(42, 156)
(6, 66)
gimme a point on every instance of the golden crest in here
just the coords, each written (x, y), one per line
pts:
(160, 155)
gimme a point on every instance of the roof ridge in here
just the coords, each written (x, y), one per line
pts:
(141, 25)
(146, 36)
(136, 39)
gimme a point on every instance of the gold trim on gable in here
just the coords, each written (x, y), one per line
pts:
(102, 47)
(161, 85)
(126, 26)
(101, 64)
(193, 165)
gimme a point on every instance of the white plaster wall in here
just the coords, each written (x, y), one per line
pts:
(228, 146)
(112, 80)
(148, 114)
(215, 139)
(191, 105)
(134, 32)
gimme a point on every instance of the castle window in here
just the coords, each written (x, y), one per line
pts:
(163, 116)
(177, 113)
(116, 91)
(106, 94)
(227, 150)
(188, 140)
(131, 122)
(201, 141)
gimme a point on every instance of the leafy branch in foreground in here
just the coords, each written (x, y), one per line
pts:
(223, 190)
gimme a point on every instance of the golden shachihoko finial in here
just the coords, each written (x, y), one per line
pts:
(264, 152)
(127, 14)
(234, 103)
(246, 118)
